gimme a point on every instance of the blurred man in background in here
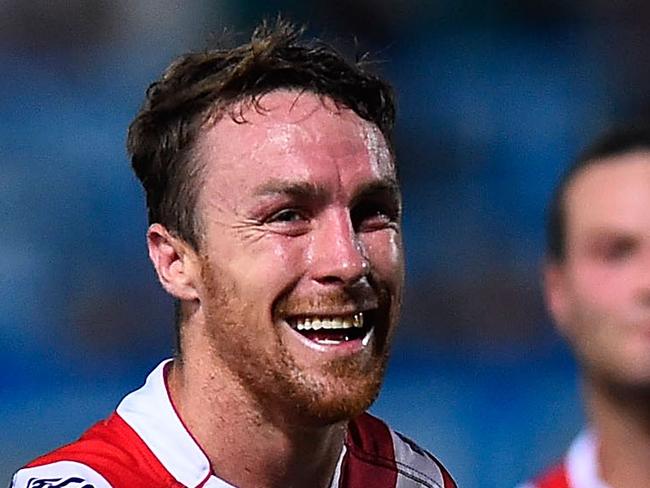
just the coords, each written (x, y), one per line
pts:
(597, 285)
(275, 221)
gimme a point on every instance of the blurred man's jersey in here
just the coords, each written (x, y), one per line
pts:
(578, 469)
(145, 444)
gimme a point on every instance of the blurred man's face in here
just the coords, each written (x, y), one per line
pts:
(301, 255)
(600, 295)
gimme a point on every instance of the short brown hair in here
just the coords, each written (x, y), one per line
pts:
(198, 87)
(614, 142)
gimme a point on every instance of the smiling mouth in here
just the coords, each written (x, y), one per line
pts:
(331, 330)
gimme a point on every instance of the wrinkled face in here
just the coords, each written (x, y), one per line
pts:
(600, 295)
(302, 263)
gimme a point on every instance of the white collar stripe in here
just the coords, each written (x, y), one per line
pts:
(150, 413)
(336, 477)
(414, 467)
(582, 462)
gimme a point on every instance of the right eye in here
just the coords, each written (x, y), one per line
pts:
(288, 221)
(287, 215)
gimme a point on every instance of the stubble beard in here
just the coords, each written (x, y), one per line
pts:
(279, 388)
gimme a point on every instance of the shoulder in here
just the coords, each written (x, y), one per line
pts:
(108, 455)
(374, 448)
(70, 474)
(579, 467)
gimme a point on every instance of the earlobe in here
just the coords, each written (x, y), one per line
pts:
(175, 262)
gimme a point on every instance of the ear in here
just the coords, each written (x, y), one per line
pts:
(556, 294)
(175, 261)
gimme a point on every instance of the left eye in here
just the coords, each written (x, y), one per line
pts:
(374, 216)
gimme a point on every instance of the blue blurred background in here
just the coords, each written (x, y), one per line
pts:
(495, 98)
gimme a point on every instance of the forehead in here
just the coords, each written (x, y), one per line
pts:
(294, 134)
(612, 192)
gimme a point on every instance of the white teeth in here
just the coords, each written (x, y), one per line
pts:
(328, 342)
(358, 320)
(341, 323)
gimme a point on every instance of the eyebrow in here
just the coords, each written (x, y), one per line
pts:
(388, 186)
(600, 233)
(297, 189)
(308, 190)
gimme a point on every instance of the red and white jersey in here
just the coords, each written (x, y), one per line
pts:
(578, 469)
(145, 444)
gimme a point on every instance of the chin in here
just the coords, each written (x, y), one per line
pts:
(328, 411)
(336, 398)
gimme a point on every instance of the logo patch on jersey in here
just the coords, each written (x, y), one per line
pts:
(72, 482)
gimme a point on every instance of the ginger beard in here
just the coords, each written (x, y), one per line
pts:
(325, 393)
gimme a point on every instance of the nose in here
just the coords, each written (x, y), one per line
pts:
(337, 253)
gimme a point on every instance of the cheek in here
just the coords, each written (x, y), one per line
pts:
(602, 287)
(386, 255)
(270, 263)
(255, 267)
(599, 308)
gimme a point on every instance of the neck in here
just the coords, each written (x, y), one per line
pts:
(242, 445)
(621, 418)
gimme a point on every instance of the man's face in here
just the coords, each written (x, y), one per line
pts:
(600, 294)
(302, 262)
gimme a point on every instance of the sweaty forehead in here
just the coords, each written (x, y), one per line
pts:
(288, 126)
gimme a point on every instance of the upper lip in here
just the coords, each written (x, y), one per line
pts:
(338, 312)
(339, 303)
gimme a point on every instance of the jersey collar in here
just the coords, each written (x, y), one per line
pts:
(582, 462)
(150, 412)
